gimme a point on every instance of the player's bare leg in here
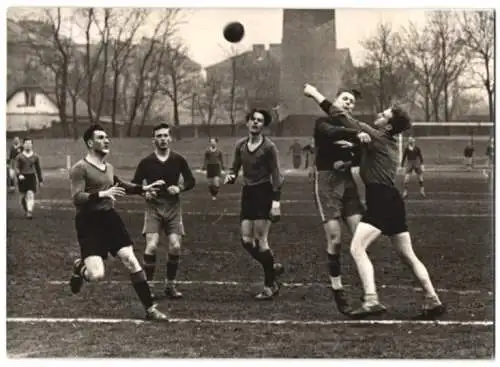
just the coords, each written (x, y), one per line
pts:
(149, 265)
(90, 269)
(271, 268)
(174, 253)
(30, 203)
(333, 233)
(363, 237)
(406, 180)
(421, 184)
(214, 187)
(140, 283)
(432, 306)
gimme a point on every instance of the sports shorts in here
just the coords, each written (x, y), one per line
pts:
(214, 170)
(256, 201)
(164, 217)
(385, 209)
(101, 232)
(336, 195)
(414, 167)
(29, 183)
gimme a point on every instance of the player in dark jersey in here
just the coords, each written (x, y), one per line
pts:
(15, 149)
(213, 166)
(490, 154)
(385, 212)
(260, 198)
(99, 228)
(163, 209)
(415, 164)
(296, 151)
(29, 176)
(335, 190)
(468, 156)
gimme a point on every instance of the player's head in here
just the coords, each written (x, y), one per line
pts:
(411, 141)
(257, 119)
(161, 137)
(16, 141)
(27, 144)
(97, 141)
(346, 99)
(393, 120)
(213, 142)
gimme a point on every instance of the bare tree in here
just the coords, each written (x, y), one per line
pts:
(208, 99)
(478, 29)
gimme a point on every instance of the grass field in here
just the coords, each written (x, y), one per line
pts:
(127, 152)
(452, 231)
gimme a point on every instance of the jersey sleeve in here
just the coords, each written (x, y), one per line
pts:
(276, 176)
(235, 167)
(187, 175)
(38, 169)
(77, 177)
(139, 174)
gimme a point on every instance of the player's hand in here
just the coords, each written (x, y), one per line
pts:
(229, 179)
(155, 186)
(20, 177)
(174, 190)
(113, 192)
(309, 90)
(275, 213)
(364, 137)
(40, 184)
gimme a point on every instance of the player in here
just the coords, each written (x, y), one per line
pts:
(335, 191)
(163, 209)
(415, 164)
(15, 149)
(468, 156)
(213, 165)
(99, 228)
(29, 176)
(260, 198)
(385, 212)
(490, 154)
(296, 151)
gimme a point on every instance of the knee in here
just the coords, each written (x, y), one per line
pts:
(174, 247)
(356, 250)
(152, 240)
(334, 237)
(245, 240)
(95, 273)
(130, 262)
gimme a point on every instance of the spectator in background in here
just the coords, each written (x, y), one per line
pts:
(296, 150)
(468, 156)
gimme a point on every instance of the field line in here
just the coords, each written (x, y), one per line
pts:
(292, 215)
(286, 285)
(49, 320)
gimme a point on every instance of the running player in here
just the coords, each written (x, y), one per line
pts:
(99, 228)
(385, 212)
(163, 209)
(15, 149)
(415, 164)
(213, 165)
(335, 191)
(260, 198)
(29, 176)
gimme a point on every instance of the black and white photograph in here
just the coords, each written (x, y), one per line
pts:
(272, 183)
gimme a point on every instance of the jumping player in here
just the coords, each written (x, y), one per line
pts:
(29, 176)
(163, 208)
(213, 165)
(15, 149)
(335, 191)
(99, 228)
(415, 164)
(385, 212)
(260, 198)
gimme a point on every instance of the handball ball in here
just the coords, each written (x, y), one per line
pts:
(234, 32)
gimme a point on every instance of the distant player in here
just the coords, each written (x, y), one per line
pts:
(29, 176)
(490, 154)
(15, 149)
(385, 212)
(309, 151)
(335, 191)
(163, 208)
(213, 165)
(260, 198)
(296, 151)
(99, 228)
(415, 163)
(468, 156)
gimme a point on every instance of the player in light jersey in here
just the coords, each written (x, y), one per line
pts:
(29, 176)
(213, 166)
(415, 160)
(163, 209)
(99, 228)
(385, 212)
(260, 197)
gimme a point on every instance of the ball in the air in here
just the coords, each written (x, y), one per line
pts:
(234, 32)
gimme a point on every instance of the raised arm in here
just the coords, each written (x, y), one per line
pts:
(335, 132)
(187, 175)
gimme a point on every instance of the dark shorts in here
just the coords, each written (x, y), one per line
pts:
(163, 218)
(385, 209)
(214, 170)
(414, 167)
(336, 195)
(256, 201)
(101, 232)
(29, 183)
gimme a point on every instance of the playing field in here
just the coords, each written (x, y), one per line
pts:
(452, 231)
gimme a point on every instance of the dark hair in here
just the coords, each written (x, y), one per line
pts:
(89, 133)
(213, 137)
(27, 139)
(159, 127)
(355, 92)
(400, 120)
(267, 115)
